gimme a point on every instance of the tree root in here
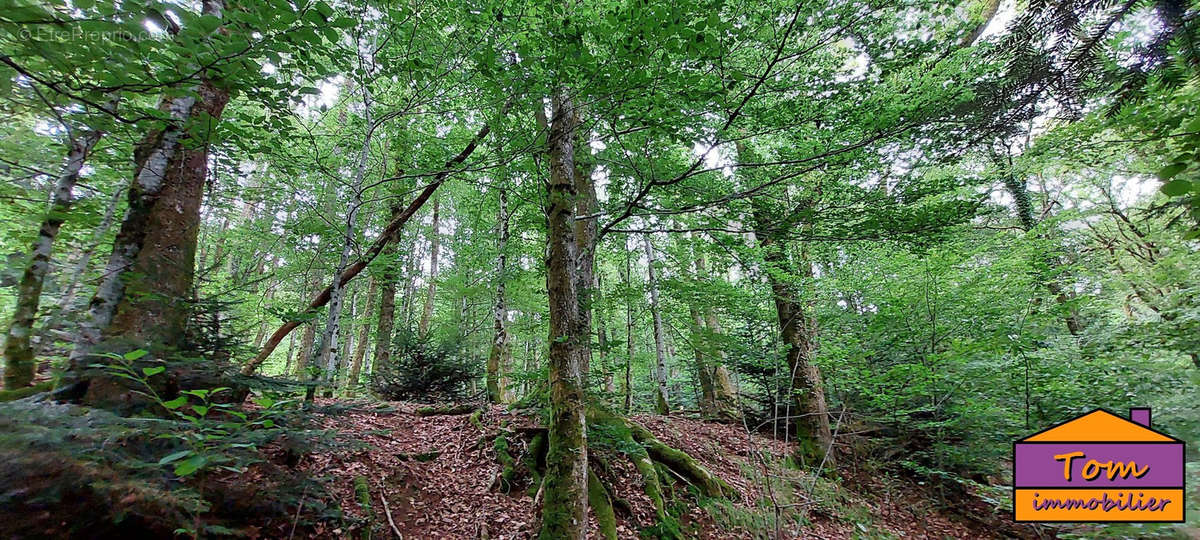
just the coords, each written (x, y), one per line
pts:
(363, 493)
(508, 469)
(448, 410)
(601, 505)
(682, 464)
(658, 465)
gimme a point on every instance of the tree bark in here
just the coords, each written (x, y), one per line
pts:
(500, 355)
(1024, 210)
(723, 394)
(143, 301)
(813, 435)
(329, 338)
(587, 207)
(627, 386)
(564, 512)
(798, 331)
(67, 300)
(19, 364)
(361, 350)
(387, 310)
(662, 402)
(306, 348)
(431, 292)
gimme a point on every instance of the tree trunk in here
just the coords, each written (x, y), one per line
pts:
(564, 513)
(723, 395)
(703, 370)
(627, 386)
(798, 331)
(356, 366)
(587, 207)
(412, 257)
(67, 300)
(387, 310)
(143, 301)
(661, 401)
(1024, 209)
(813, 435)
(19, 364)
(287, 360)
(434, 247)
(329, 339)
(500, 355)
(306, 349)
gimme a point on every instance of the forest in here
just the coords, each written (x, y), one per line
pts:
(612, 269)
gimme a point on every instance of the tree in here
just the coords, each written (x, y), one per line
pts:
(149, 275)
(18, 350)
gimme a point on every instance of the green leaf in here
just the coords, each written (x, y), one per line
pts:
(1175, 188)
(209, 23)
(136, 354)
(190, 466)
(1166, 173)
(152, 371)
(200, 409)
(175, 457)
(176, 403)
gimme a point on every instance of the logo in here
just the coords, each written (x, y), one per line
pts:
(1099, 467)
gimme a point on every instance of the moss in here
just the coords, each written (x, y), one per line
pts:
(425, 457)
(24, 392)
(535, 461)
(476, 418)
(507, 463)
(683, 465)
(362, 492)
(451, 410)
(602, 507)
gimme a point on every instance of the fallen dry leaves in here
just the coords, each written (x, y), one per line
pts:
(439, 482)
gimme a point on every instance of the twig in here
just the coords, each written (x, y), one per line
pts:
(298, 508)
(388, 512)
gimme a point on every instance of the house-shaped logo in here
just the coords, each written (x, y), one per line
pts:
(1099, 467)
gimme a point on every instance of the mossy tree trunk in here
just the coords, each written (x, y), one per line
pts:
(143, 300)
(500, 355)
(564, 512)
(19, 364)
(797, 328)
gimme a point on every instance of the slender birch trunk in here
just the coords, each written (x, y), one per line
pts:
(329, 338)
(19, 364)
(499, 356)
(661, 400)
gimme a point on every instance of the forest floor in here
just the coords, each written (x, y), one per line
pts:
(438, 477)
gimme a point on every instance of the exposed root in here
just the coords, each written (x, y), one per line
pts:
(535, 461)
(363, 493)
(601, 505)
(449, 410)
(658, 465)
(682, 464)
(508, 469)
